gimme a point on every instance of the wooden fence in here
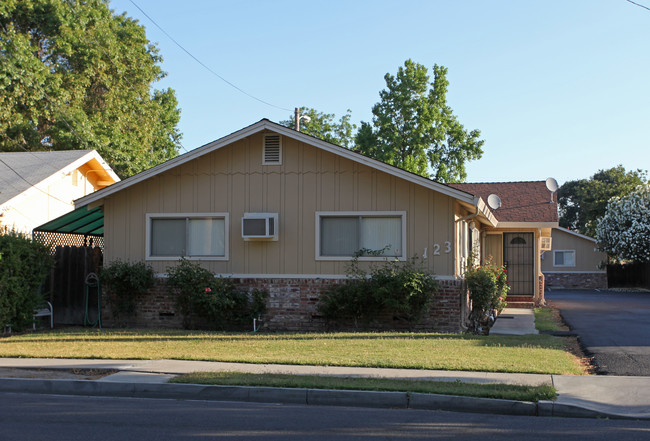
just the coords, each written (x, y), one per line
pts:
(66, 283)
(629, 275)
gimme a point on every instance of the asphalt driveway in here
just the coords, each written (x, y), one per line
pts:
(614, 327)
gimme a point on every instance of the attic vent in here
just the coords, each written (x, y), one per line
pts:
(272, 150)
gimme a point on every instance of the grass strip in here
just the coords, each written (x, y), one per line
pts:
(542, 354)
(489, 390)
(545, 320)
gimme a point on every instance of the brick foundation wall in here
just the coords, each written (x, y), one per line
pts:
(577, 280)
(291, 306)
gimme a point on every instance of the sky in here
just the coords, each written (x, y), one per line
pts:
(558, 88)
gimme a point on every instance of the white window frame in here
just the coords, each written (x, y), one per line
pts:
(320, 214)
(564, 265)
(154, 216)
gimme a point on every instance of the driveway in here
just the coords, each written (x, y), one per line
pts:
(614, 327)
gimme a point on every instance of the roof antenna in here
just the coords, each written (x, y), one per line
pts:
(552, 186)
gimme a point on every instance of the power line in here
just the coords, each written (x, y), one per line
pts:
(101, 48)
(639, 5)
(206, 67)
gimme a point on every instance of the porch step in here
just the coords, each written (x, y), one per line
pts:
(520, 302)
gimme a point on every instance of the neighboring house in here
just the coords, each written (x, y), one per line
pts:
(574, 262)
(281, 210)
(36, 187)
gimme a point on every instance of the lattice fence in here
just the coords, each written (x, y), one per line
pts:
(72, 240)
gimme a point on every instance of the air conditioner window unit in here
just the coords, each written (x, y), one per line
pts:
(259, 226)
(546, 243)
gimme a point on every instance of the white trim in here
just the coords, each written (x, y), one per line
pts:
(150, 216)
(565, 251)
(401, 214)
(265, 124)
(295, 276)
(575, 272)
(576, 234)
(527, 225)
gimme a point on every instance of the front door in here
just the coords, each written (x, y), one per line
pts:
(518, 257)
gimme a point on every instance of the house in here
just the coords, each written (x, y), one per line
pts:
(527, 213)
(36, 187)
(278, 209)
(574, 261)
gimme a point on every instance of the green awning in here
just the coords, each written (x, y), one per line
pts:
(80, 221)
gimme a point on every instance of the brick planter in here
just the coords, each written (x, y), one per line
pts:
(291, 306)
(577, 280)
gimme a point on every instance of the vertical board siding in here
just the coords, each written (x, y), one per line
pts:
(233, 180)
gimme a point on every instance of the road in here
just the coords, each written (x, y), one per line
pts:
(49, 417)
(614, 327)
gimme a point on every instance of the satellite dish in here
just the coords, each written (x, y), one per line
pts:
(551, 184)
(494, 201)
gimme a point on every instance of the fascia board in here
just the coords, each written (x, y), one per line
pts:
(527, 225)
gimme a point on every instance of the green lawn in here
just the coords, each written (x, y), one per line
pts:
(546, 320)
(529, 354)
(500, 391)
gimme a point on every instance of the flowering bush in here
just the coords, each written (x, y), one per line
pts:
(624, 230)
(488, 289)
(214, 299)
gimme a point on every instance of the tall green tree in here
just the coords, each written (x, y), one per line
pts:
(415, 129)
(582, 202)
(325, 126)
(74, 75)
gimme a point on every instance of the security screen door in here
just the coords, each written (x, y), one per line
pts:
(518, 257)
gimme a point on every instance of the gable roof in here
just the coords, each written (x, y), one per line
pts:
(574, 233)
(263, 125)
(521, 202)
(20, 171)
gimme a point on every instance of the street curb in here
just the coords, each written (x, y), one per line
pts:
(317, 397)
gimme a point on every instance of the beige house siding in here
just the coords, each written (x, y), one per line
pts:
(587, 258)
(233, 180)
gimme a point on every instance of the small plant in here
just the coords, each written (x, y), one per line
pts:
(24, 266)
(214, 299)
(126, 282)
(399, 288)
(488, 289)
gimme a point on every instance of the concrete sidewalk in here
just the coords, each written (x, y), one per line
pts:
(579, 396)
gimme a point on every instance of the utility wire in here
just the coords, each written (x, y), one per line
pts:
(206, 67)
(639, 5)
(101, 48)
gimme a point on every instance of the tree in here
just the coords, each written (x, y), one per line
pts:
(76, 76)
(582, 202)
(325, 126)
(624, 230)
(416, 130)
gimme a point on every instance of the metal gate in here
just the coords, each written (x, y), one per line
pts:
(518, 256)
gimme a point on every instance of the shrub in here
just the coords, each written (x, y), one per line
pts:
(126, 282)
(24, 266)
(214, 299)
(488, 289)
(400, 288)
